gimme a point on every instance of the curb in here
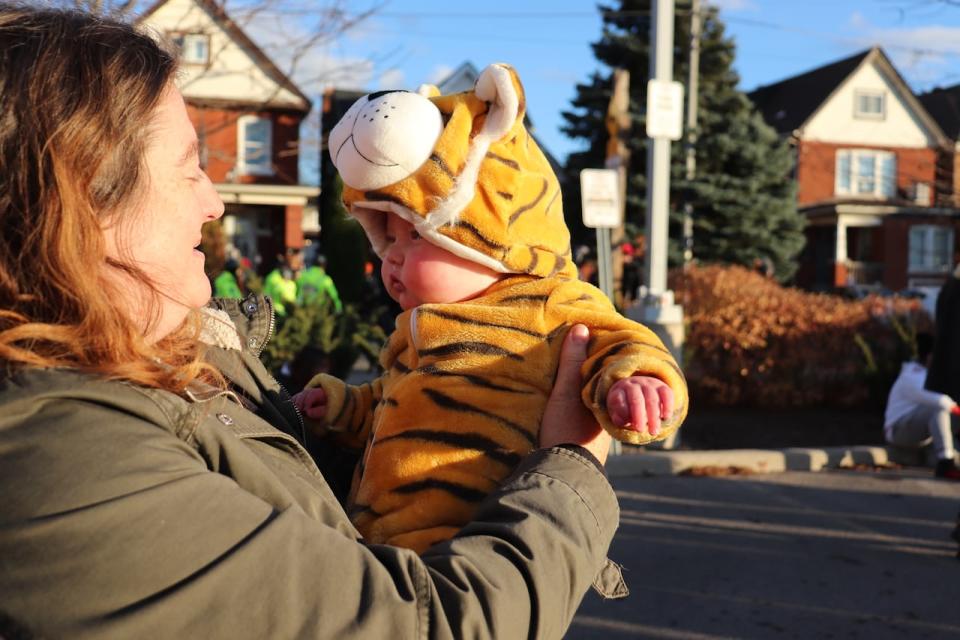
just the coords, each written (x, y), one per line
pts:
(641, 462)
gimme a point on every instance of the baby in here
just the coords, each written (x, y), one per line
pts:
(464, 211)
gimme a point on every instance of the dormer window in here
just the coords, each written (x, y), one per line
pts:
(194, 47)
(869, 104)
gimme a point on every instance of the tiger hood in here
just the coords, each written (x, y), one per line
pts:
(461, 168)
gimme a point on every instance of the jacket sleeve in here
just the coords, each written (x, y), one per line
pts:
(144, 540)
(619, 348)
(349, 409)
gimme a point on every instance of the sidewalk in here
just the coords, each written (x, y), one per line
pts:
(636, 461)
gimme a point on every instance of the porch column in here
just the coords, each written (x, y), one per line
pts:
(840, 254)
(293, 226)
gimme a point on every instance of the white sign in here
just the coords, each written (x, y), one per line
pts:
(664, 109)
(600, 198)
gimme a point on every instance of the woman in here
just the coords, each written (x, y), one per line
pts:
(154, 477)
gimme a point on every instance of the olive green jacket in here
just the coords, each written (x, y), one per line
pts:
(135, 513)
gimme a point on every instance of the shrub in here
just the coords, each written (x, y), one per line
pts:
(753, 342)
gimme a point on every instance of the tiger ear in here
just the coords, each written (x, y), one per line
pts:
(428, 90)
(499, 85)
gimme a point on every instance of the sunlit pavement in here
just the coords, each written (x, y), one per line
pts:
(834, 554)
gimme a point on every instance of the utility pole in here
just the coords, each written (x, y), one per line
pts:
(691, 150)
(618, 158)
(664, 124)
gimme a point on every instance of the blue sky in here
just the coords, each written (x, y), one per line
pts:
(413, 41)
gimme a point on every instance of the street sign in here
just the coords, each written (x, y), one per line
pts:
(664, 109)
(600, 198)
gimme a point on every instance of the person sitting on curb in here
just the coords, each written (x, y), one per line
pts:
(916, 417)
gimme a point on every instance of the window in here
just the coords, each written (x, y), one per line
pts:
(930, 249)
(869, 104)
(194, 47)
(254, 146)
(866, 173)
(921, 193)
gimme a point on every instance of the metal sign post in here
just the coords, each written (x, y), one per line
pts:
(602, 206)
(602, 210)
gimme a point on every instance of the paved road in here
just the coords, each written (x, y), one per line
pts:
(835, 554)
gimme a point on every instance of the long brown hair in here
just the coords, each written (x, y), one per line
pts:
(77, 98)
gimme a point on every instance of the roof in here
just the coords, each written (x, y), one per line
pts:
(238, 35)
(943, 105)
(788, 104)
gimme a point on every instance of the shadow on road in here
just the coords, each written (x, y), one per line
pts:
(794, 555)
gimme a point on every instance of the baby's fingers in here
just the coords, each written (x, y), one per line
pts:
(666, 401)
(617, 407)
(638, 408)
(651, 401)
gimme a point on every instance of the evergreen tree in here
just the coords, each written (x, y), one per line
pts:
(744, 206)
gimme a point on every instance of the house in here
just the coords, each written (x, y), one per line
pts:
(944, 105)
(874, 175)
(247, 114)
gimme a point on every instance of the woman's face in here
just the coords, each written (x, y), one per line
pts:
(163, 236)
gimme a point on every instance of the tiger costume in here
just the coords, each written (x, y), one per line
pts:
(466, 384)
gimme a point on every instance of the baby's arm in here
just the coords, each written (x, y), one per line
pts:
(640, 401)
(329, 405)
(312, 403)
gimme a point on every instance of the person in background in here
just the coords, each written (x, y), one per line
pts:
(225, 285)
(314, 285)
(280, 284)
(944, 374)
(153, 474)
(916, 417)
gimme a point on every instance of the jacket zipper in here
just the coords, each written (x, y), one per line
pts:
(263, 345)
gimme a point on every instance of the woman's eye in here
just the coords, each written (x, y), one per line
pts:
(414, 235)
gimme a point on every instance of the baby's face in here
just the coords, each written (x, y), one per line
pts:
(416, 272)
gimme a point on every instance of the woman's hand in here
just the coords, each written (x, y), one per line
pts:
(566, 420)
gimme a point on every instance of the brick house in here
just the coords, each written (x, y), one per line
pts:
(247, 114)
(874, 176)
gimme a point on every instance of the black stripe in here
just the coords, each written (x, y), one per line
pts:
(530, 205)
(446, 402)
(526, 298)
(505, 195)
(617, 348)
(360, 509)
(507, 161)
(399, 366)
(380, 196)
(612, 351)
(391, 401)
(556, 332)
(559, 262)
(477, 323)
(482, 348)
(479, 381)
(443, 165)
(343, 407)
(534, 259)
(463, 224)
(467, 494)
(473, 441)
(552, 200)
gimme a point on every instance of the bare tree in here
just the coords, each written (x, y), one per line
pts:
(293, 34)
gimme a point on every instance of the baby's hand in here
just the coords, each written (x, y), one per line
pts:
(640, 401)
(312, 403)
